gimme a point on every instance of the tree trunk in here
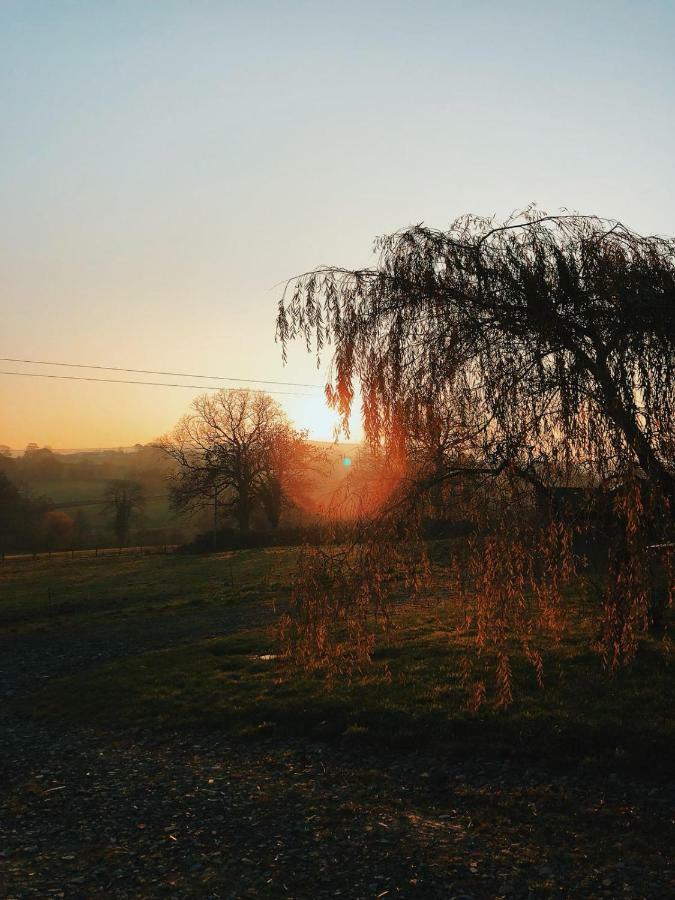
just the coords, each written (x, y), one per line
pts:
(622, 418)
(215, 518)
(244, 511)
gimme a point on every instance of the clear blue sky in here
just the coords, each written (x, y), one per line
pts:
(163, 165)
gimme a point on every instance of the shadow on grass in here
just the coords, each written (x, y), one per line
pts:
(410, 699)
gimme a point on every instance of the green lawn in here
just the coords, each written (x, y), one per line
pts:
(65, 593)
(410, 698)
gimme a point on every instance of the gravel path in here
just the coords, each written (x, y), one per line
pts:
(85, 814)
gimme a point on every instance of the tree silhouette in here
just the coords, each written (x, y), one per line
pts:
(542, 351)
(124, 500)
(21, 517)
(234, 452)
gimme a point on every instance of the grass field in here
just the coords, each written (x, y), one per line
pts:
(410, 697)
(64, 593)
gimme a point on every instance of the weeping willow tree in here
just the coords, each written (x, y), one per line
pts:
(498, 364)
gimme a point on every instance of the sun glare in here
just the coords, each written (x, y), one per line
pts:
(313, 414)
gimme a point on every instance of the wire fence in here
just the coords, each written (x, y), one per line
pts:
(92, 553)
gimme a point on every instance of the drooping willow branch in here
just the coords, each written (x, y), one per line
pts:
(543, 348)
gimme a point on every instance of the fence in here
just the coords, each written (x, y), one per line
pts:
(95, 553)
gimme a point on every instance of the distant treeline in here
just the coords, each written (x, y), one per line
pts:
(41, 464)
(52, 501)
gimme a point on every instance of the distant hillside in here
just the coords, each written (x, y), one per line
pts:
(75, 483)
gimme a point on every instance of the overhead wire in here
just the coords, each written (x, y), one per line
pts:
(199, 387)
(42, 362)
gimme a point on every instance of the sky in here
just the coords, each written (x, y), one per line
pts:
(164, 167)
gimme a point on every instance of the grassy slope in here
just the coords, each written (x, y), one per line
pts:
(156, 512)
(65, 490)
(409, 698)
(63, 593)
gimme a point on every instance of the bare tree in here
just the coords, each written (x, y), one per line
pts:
(125, 500)
(234, 452)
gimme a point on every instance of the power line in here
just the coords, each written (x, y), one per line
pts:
(199, 387)
(41, 362)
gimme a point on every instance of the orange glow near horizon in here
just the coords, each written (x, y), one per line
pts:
(74, 415)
